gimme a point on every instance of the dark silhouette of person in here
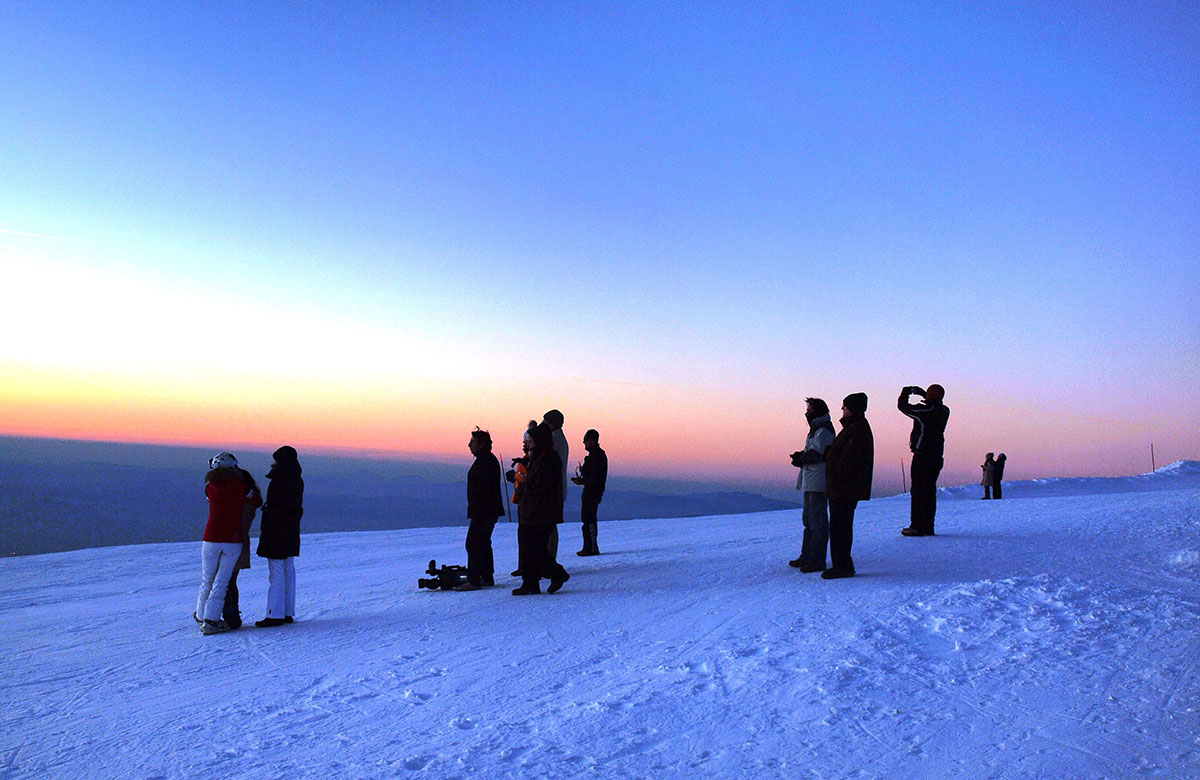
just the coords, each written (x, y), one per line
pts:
(998, 474)
(484, 508)
(279, 535)
(928, 443)
(593, 476)
(849, 466)
(541, 510)
(989, 474)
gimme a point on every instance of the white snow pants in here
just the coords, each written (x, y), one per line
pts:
(281, 592)
(217, 560)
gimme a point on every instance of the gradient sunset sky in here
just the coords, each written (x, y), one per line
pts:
(375, 226)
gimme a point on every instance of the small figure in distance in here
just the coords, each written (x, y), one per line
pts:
(593, 476)
(811, 484)
(279, 538)
(998, 474)
(989, 472)
(484, 507)
(849, 465)
(928, 443)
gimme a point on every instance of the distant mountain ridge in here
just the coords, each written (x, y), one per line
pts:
(57, 496)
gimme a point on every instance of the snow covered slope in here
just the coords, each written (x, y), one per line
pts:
(1051, 637)
(1170, 477)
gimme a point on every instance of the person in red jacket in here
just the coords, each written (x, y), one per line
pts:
(222, 545)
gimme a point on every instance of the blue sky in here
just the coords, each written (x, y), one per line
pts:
(728, 206)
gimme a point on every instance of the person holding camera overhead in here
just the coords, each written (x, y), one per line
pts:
(928, 443)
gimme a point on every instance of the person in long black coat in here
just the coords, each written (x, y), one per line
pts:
(541, 510)
(484, 508)
(279, 541)
(849, 467)
(998, 474)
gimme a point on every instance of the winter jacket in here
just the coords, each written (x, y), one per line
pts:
(541, 495)
(593, 475)
(226, 494)
(989, 472)
(483, 488)
(812, 459)
(280, 535)
(998, 469)
(563, 451)
(850, 461)
(928, 435)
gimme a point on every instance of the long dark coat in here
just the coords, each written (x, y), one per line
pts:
(541, 495)
(850, 461)
(280, 537)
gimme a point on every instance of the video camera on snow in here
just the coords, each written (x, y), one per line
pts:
(446, 577)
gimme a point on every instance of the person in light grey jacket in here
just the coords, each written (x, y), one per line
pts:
(811, 483)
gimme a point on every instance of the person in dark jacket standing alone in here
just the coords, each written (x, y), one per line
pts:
(928, 444)
(484, 508)
(849, 465)
(279, 540)
(541, 511)
(593, 475)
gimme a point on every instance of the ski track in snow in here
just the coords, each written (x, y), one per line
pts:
(1039, 638)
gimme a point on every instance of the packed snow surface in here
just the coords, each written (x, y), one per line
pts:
(1041, 637)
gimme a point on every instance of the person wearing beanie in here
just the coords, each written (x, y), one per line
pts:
(849, 466)
(811, 484)
(593, 476)
(554, 420)
(279, 538)
(927, 442)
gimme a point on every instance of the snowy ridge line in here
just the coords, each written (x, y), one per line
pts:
(1180, 475)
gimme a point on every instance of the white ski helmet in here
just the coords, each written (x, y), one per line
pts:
(222, 460)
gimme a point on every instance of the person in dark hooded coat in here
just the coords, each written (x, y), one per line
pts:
(998, 474)
(279, 540)
(849, 466)
(540, 497)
